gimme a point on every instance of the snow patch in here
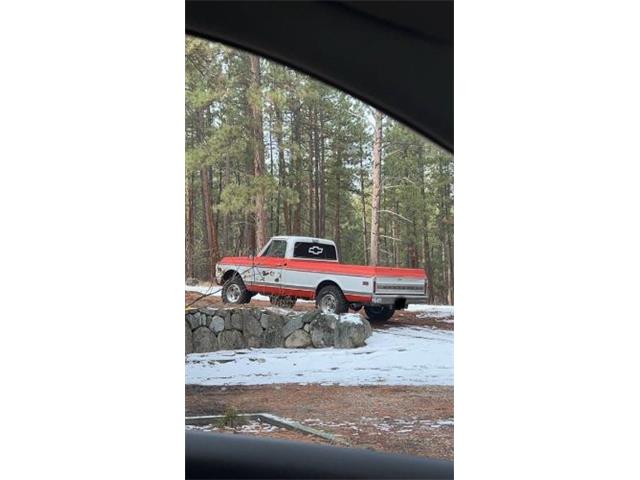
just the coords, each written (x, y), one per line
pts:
(397, 356)
(348, 317)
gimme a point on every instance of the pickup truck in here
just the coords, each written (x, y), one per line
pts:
(289, 268)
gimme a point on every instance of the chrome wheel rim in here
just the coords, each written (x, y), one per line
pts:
(328, 304)
(233, 293)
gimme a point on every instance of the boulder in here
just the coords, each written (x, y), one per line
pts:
(264, 319)
(201, 319)
(323, 329)
(310, 316)
(293, 324)
(226, 314)
(217, 324)
(272, 320)
(298, 339)
(250, 325)
(252, 330)
(350, 331)
(231, 340)
(236, 320)
(188, 339)
(272, 337)
(191, 281)
(193, 320)
(204, 340)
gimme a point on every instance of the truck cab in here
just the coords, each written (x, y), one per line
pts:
(289, 268)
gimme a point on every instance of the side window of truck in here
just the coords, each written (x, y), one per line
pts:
(277, 248)
(318, 251)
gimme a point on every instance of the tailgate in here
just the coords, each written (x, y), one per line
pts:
(400, 286)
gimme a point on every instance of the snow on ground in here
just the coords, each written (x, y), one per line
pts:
(432, 310)
(395, 356)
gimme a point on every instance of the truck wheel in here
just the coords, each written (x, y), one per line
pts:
(284, 302)
(331, 300)
(235, 292)
(379, 313)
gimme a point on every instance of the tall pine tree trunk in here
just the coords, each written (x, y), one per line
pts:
(426, 248)
(376, 190)
(365, 239)
(190, 227)
(320, 173)
(336, 223)
(313, 224)
(255, 103)
(297, 161)
(212, 234)
(226, 178)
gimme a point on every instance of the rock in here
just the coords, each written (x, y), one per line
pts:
(201, 319)
(309, 317)
(255, 342)
(251, 326)
(307, 327)
(193, 321)
(236, 320)
(188, 339)
(272, 320)
(264, 319)
(350, 332)
(323, 329)
(226, 314)
(191, 281)
(272, 337)
(252, 330)
(217, 324)
(298, 339)
(204, 340)
(294, 323)
(231, 340)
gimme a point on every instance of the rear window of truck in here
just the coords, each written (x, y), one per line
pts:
(317, 251)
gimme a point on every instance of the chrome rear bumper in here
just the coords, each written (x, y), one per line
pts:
(392, 299)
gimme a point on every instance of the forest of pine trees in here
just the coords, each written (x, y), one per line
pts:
(270, 151)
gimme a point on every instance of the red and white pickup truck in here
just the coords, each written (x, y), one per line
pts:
(288, 268)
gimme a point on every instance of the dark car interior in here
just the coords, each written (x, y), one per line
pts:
(342, 44)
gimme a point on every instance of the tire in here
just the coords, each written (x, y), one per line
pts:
(235, 292)
(284, 302)
(378, 313)
(330, 299)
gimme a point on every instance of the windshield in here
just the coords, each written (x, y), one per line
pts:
(287, 348)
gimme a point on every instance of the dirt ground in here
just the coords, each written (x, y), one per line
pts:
(401, 317)
(400, 419)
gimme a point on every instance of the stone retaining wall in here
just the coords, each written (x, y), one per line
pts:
(209, 329)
